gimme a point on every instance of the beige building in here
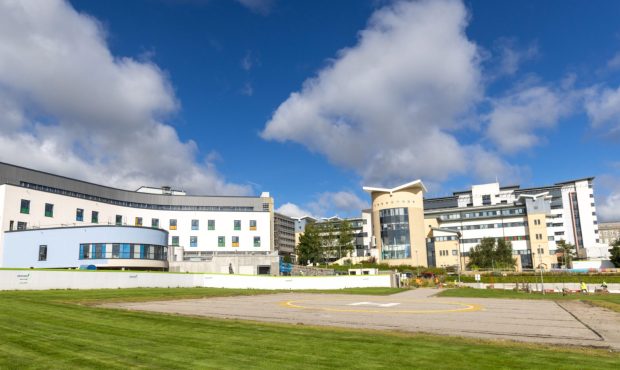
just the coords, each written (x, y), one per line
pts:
(609, 232)
(398, 223)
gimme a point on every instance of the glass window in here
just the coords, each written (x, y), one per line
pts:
(49, 210)
(193, 241)
(221, 241)
(237, 225)
(252, 225)
(24, 206)
(394, 224)
(455, 252)
(195, 225)
(84, 251)
(119, 220)
(42, 252)
(138, 221)
(175, 241)
(235, 241)
(126, 250)
(116, 250)
(257, 241)
(22, 225)
(98, 251)
(155, 223)
(79, 214)
(173, 224)
(94, 217)
(211, 225)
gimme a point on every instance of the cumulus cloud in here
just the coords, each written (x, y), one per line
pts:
(327, 204)
(608, 197)
(389, 107)
(603, 108)
(511, 56)
(293, 210)
(514, 120)
(67, 105)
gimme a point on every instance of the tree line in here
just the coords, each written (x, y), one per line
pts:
(325, 242)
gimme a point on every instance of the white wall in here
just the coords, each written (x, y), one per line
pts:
(65, 215)
(43, 280)
(296, 282)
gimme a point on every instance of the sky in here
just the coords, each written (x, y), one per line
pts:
(311, 100)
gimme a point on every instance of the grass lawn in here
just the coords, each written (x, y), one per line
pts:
(548, 278)
(611, 301)
(49, 329)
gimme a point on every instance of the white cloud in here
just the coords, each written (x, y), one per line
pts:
(614, 63)
(515, 120)
(247, 62)
(293, 210)
(608, 197)
(603, 108)
(609, 210)
(262, 7)
(388, 106)
(67, 105)
(327, 204)
(247, 89)
(511, 56)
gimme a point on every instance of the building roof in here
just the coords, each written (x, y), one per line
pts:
(417, 184)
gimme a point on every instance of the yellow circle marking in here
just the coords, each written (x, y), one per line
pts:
(466, 307)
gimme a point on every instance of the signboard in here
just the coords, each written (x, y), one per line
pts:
(477, 277)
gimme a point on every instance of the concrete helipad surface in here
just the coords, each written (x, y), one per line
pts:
(416, 311)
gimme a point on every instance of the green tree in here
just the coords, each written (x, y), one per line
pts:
(615, 253)
(345, 239)
(309, 249)
(482, 254)
(566, 251)
(503, 254)
(491, 253)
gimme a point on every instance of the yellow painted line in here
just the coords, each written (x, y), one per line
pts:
(466, 307)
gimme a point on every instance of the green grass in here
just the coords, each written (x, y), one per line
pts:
(548, 278)
(611, 301)
(47, 329)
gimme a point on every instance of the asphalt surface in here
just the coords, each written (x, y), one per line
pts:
(573, 323)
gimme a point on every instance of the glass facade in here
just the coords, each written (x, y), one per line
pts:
(394, 223)
(123, 251)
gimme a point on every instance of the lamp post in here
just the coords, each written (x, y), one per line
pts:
(542, 282)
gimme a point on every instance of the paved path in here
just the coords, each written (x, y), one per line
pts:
(415, 311)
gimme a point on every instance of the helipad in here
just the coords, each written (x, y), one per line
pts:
(412, 311)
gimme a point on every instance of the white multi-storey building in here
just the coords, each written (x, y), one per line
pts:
(197, 226)
(533, 219)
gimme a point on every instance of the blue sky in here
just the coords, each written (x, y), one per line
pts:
(310, 100)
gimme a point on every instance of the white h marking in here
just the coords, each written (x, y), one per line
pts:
(373, 304)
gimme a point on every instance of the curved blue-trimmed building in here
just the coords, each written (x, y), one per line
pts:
(106, 247)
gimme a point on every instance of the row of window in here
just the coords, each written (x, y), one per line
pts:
(123, 251)
(138, 221)
(445, 252)
(503, 212)
(162, 207)
(24, 208)
(490, 226)
(195, 224)
(221, 241)
(445, 238)
(506, 238)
